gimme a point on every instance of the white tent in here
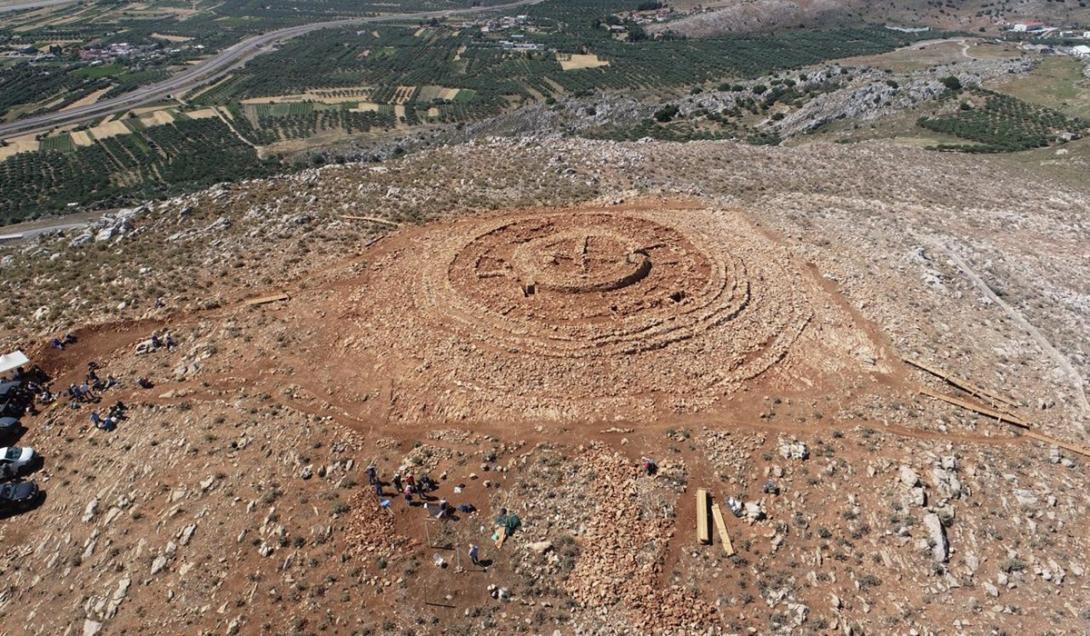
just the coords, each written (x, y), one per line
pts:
(12, 360)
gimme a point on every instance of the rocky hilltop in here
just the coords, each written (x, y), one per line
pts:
(391, 315)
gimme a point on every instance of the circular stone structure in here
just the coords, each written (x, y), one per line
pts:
(589, 285)
(554, 312)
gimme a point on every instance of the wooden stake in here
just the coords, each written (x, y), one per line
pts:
(371, 219)
(1074, 448)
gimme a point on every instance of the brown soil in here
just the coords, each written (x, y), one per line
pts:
(579, 314)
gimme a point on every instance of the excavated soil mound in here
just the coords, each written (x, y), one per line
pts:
(574, 313)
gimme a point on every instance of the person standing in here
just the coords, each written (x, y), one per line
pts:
(474, 553)
(372, 474)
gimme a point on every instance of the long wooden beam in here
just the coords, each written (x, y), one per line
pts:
(703, 531)
(978, 408)
(1048, 439)
(1004, 417)
(371, 219)
(964, 385)
(264, 300)
(721, 528)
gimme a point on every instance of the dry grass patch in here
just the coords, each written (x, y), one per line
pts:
(157, 118)
(109, 129)
(170, 38)
(204, 113)
(82, 138)
(403, 94)
(87, 99)
(428, 93)
(26, 143)
(576, 61)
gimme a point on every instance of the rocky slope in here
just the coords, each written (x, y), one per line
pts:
(233, 498)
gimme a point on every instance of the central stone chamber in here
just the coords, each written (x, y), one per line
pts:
(580, 261)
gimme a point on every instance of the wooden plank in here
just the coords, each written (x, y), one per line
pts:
(703, 531)
(964, 385)
(1048, 439)
(721, 528)
(1003, 417)
(371, 219)
(978, 408)
(264, 300)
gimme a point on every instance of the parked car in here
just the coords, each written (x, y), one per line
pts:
(9, 425)
(9, 387)
(14, 459)
(14, 406)
(18, 496)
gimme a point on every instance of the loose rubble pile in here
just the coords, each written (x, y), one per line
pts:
(623, 549)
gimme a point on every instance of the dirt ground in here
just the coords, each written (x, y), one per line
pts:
(739, 320)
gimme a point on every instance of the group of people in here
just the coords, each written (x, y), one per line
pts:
(92, 386)
(412, 488)
(23, 387)
(60, 343)
(97, 383)
(409, 486)
(166, 340)
(115, 414)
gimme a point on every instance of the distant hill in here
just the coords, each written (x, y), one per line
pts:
(742, 16)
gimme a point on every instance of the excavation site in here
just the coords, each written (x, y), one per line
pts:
(584, 314)
(582, 387)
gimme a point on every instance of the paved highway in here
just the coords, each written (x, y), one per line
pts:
(19, 6)
(214, 68)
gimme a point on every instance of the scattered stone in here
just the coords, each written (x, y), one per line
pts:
(794, 450)
(754, 511)
(908, 477)
(91, 510)
(187, 534)
(540, 547)
(1025, 498)
(940, 548)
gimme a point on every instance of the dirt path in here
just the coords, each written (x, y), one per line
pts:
(236, 133)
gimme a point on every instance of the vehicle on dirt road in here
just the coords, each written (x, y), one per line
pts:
(9, 425)
(18, 496)
(14, 460)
